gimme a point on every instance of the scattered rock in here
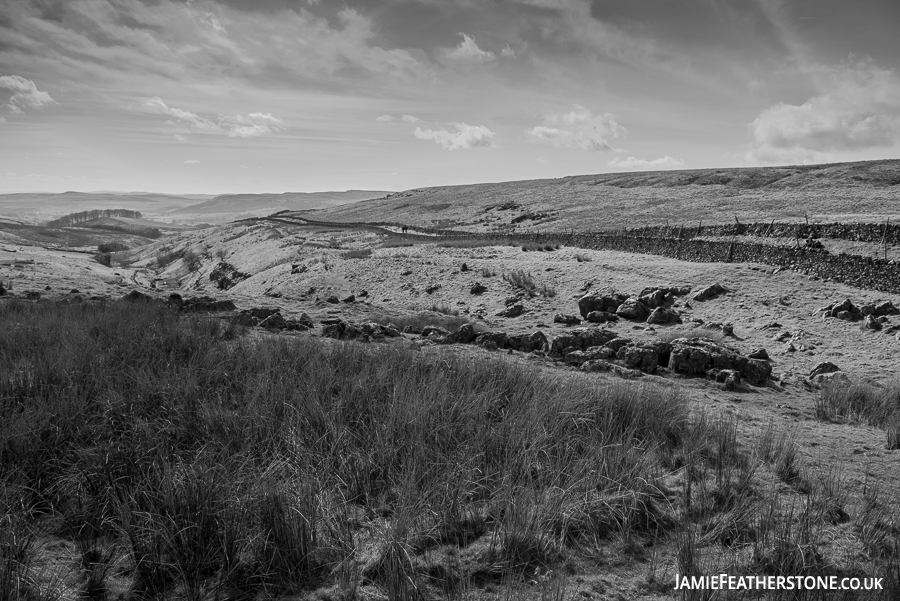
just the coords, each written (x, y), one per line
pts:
(845, 315)
(616, 343)
(827, 380)
(429, 331)
(136, 296)
(870, 323)
(730, 378)
(536, 341)
(760, 353)
(205, 304)
(477, 288)
(513, 311)
(601, 317)
(663, 316)
(710, 292)
(656, 298)
(464, 267)
(362, 293)
(643, 357)
(463, 335)
(32, 295)
(566, 319)
(697, 356)
(432, 288)
(886, 308)
(579, 339)
(824, 367)
(332, 300)
(349, 299)
(605, 366)
(633, 309)
(497, 340)
(596, 301)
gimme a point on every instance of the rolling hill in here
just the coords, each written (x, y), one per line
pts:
(251, 205)
(861, 191)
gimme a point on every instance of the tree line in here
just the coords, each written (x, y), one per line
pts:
(85, 216)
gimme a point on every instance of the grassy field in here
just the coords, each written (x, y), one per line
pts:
(183, 458)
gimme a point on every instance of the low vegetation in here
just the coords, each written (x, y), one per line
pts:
(876, 406)
(182, 459)
(360, 253)
(525, 281)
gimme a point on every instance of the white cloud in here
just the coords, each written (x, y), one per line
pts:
(410, 119)
(508, 52)
(192, 162)
(180, 138)
(254, 124)
(465, 136)
(156, 105)
(579, 128)
(25, 94)
(236, 126)
(858, 109)
(384, 118)
(634, 164)
(468, 51)
(2, 120)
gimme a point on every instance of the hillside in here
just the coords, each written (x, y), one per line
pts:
(862, 191)
(249, 205)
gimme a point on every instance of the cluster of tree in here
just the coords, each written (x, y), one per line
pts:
(85, 216)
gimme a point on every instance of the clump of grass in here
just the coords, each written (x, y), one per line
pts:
(521, 280)
(229, 466)
(583, 258)
(164, 259)
(361, 253)
(487, 272)
(878, 406)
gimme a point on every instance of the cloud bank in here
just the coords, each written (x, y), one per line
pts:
(465, 137)
(634, 164)
(579, 128)
(859, 109)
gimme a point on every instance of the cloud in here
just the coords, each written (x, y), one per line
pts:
(634, 164)
(468, 52)
(2, 120)
(384, 118)
(156, 105)
(25, 94)
(236, 126)
(508, 52)
(579, 128)
(254, 124)
(465, 136)
(192, 162)
(410, 119)
(857, 109)
(204, 42)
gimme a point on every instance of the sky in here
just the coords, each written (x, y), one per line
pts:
(226, 96)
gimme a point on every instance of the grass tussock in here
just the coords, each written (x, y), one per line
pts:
(521, 280)
(877, 406)
(229, 467)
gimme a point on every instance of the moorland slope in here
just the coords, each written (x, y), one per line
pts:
(860, 191)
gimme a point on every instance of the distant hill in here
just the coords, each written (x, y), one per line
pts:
(862, 191)
(245, 205)
(40, 207)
